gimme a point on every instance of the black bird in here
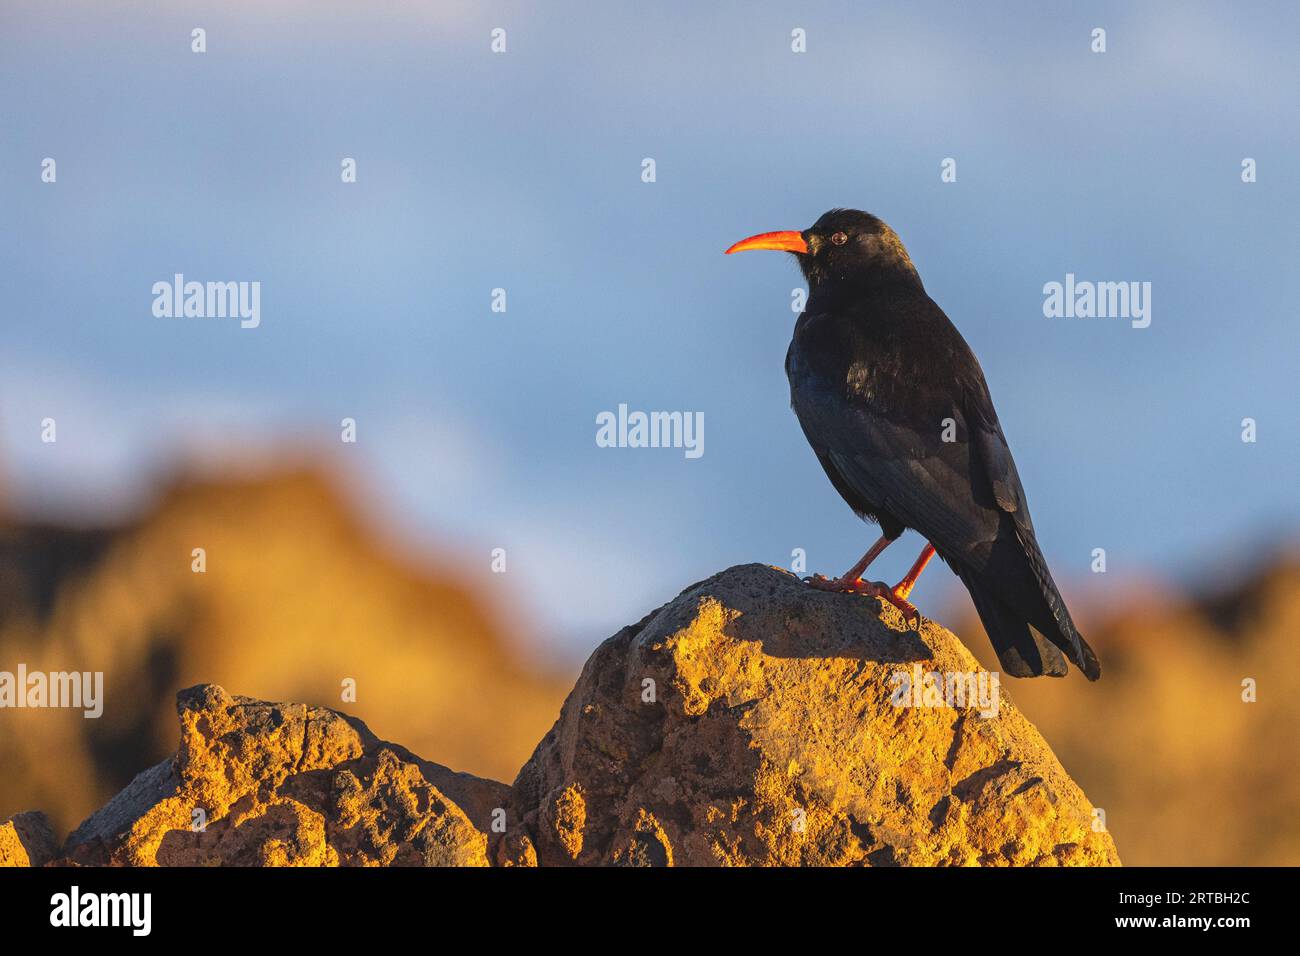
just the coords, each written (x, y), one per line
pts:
(895, 405)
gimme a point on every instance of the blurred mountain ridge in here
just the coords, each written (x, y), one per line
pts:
(298, 596)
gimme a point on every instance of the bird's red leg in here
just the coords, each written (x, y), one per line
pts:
(898, 594)
(851, 580)
(904, 587)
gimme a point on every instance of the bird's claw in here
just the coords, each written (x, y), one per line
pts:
(895, 596)
(840, 585)
(892, 595)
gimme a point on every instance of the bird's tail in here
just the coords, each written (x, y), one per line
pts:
(1022, 651)
(1056, 624)
(1032, 642)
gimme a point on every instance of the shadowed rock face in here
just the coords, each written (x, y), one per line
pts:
(27, 839)
(750, 721)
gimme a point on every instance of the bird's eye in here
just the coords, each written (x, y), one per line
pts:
(839, 238)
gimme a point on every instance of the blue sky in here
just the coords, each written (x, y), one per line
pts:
(523, 171)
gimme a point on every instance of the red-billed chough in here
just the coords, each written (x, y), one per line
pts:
(895, 405)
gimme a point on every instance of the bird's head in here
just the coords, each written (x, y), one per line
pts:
(844, 248)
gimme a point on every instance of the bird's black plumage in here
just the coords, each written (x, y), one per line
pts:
(879, 378)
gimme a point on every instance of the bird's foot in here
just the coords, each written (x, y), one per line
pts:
(843, 584)
(896, 596)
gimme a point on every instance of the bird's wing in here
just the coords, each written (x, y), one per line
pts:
(897, 434)
(994, 454)
(963, 494)
(908, 471)
(959, 497)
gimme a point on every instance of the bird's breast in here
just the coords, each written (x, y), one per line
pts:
(832, 355)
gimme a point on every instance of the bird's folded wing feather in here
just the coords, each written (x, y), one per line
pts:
(927, 484)
(994, 454)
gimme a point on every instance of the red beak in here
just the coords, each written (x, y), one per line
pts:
(784, 241)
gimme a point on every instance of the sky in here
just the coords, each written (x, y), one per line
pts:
(522, 170)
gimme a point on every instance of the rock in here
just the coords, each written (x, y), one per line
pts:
(263, 784)
(27, 839)
(750, 721)
(754, 721)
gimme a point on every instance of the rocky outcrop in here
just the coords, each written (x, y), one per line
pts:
(27, 839)
(261, 784)
(755, 721)
(750, 721)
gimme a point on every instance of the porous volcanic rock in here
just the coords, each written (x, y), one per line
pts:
(27, 839)
(265, 784)
(750, 721)
(756, 721)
